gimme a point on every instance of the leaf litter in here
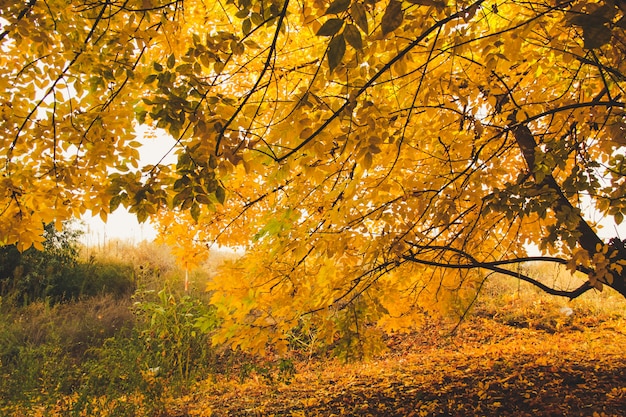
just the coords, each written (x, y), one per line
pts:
(488, 368)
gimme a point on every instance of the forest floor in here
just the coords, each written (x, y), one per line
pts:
(491, 366)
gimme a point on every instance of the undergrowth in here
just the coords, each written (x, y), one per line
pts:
(520, 304)
(113, 352)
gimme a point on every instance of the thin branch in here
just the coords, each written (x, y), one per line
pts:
(458, 15)
(592, 103)
(520, 260)
(266, 66)
(52, 87)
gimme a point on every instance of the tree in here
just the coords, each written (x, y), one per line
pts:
(34, 274)
(371, 157)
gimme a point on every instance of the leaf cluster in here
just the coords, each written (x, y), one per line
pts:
(381, 158)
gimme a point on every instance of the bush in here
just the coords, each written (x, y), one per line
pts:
(56, 274)
(96, 278)
(34, 274)
(176, 335)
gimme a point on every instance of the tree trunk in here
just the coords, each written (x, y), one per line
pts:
(588, 239)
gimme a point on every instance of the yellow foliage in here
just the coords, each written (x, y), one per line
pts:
(348, 151)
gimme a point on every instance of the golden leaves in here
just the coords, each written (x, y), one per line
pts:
(487, 368)
(330, 180)
(75, 105)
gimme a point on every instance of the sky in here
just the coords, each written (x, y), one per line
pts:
(122, 225)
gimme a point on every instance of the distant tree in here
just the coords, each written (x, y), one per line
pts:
(371, 157)
(37, 274)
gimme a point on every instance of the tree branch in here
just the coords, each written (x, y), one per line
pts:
(588, 238)
(458, 15)
(494, 266)
(266, 66)
(23, 12)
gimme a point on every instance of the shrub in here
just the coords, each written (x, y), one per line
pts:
(175, 334)
(36, 274)
(96, 278)
(57, 273)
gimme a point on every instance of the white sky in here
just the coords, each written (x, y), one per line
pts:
(121, 224)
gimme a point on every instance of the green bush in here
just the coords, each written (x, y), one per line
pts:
(95, 278)
(56, 274)
(176, 335)
(34, 274)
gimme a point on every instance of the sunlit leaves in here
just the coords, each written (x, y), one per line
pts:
(76, 100)
(185, 246)
(339, 185)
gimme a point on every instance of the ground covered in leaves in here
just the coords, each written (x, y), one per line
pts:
(490, 367)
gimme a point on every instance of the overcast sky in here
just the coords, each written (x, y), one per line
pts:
(121, 224)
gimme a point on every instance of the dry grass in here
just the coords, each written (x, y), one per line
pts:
(75, 326)
(156, 267)
(521, 304)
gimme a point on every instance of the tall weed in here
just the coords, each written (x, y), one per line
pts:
(176, 334)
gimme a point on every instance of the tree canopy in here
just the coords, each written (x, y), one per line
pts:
(371, 158)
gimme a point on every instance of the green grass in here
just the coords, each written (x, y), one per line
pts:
(108, 343)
